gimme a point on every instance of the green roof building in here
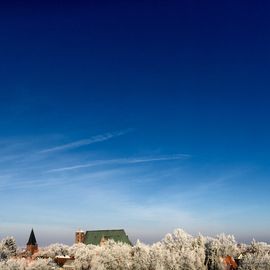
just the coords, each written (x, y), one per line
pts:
(99, 237)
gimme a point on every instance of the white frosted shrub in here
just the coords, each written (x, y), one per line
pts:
(8, 248)
(157, 256)
(41, 264)
(72, 249)
(113, 256)
(13, 264)
(141, 257)
(255, 262)
(256, 257)
(182, 251)
(54, 250)
(83, 255)
(218, 248)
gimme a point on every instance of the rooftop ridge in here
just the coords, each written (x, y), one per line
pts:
(105, 230)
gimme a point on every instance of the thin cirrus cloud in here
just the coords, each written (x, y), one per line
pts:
(122, 161)
(91, 140)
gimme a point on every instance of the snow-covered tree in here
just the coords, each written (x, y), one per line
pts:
(256, 257)
(53, 250)
(113, 256)
(141, 259)
(83, 255)
(23, 264)
(8, 248)
(255, 262)
(72, 249)
(218, 248)
(41, 264)
(157, 256)
(182, 251)
(13, 264)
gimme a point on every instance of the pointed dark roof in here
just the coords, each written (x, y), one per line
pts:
(32, 239)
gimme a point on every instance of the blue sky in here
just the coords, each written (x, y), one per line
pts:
(142, 115)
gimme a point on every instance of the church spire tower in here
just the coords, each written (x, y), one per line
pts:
(32, 246)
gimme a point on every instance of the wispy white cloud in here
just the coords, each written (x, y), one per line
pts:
(88, 141)
(122, 161)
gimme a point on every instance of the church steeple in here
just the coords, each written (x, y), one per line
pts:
(32, 245)
(32, 239)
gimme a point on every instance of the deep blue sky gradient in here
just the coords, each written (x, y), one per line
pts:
(186, 82)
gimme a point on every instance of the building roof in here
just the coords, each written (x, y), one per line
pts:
(95, 237)
(32, 239)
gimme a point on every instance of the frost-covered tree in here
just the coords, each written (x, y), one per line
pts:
(157, 256)
(53, 250)
(8, 248)
(113, 256)
(13, 264)
(83, 255)
(258, 247)
(10, 244)
(23, 264)
(218, 248)
(227, 245)
(256, 257)
(72, 249)
(182, 251)
(41, 264)
(141, 259)
(255, 262)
